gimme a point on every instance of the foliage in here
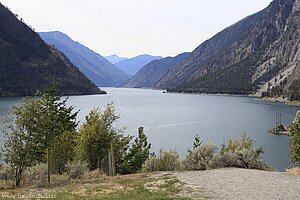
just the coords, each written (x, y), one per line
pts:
(54, 118)
(37, 175)
(295, 141)
(122, 147)
(152, 164)
(62, 151)
(167, 161)
(240, 153)
(137, 155)
(76, 170)
(197, 142)
(22, 146)
(200, 156)
(38, 122)
(6, 173)
(96, 134)
(239, 145)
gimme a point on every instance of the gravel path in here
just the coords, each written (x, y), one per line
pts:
(234, 183)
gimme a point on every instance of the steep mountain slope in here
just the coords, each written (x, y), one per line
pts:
(93, 65)
(133, 65)
(153, 71)
(114, 58)
(28, 64)
(258, 54)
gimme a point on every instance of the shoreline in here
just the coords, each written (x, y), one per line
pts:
(257, 97)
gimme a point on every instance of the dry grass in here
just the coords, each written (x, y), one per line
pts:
(295, 171)
(93, 185)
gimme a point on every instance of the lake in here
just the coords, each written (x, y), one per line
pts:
(172, 120)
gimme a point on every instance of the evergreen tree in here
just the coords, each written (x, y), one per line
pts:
(55, 119)
(137, 154)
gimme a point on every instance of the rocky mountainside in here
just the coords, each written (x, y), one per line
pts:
(259, 54)
(114, 58)
(153, 72)
(133, 65)
(93, 65)
(28, 64)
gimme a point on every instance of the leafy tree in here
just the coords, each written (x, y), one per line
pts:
(239, 145)
(96, 134)
(43, 119)
(22, 146)
(295, 142)
(62, 151)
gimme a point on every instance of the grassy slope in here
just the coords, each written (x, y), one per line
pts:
(138, 187)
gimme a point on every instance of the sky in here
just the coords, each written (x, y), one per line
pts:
(134, 27)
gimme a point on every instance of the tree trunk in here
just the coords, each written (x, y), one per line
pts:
(18, 177)
(49, 164)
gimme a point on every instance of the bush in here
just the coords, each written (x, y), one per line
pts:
(167, 161)
(151, 164)
(295, 141)
(76, 170)
(6, 173)
(95, 174)
(240, 153)
(200, 157)
(245, 159)
(37, 175)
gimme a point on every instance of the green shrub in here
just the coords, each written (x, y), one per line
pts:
(167, 161)
(6, 173)
(240, 153)
(37, 175)
(295, 141)
(151, 164)
(76, 170)
(199, 158)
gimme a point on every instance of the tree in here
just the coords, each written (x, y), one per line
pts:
(62, 151)
(22, 148)
(139, 151)
(295, 141)
(55, 118)
(96, 134)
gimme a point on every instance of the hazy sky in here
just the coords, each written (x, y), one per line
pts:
(133, 27)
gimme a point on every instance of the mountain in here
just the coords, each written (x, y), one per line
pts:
(132, 65)
(28, 64)
(259, 54)
(152, 72)
(114, 58)
(93, 65)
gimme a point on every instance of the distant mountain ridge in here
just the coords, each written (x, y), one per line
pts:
(114, 58)
(259, 54)
(152, 72)
(133, 65)
(93, 65)
(28, 64)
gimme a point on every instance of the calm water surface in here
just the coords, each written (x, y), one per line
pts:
(172, 120)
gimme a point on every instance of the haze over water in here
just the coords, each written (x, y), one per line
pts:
(172, 120)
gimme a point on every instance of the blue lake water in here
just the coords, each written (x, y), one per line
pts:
(172, 120)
